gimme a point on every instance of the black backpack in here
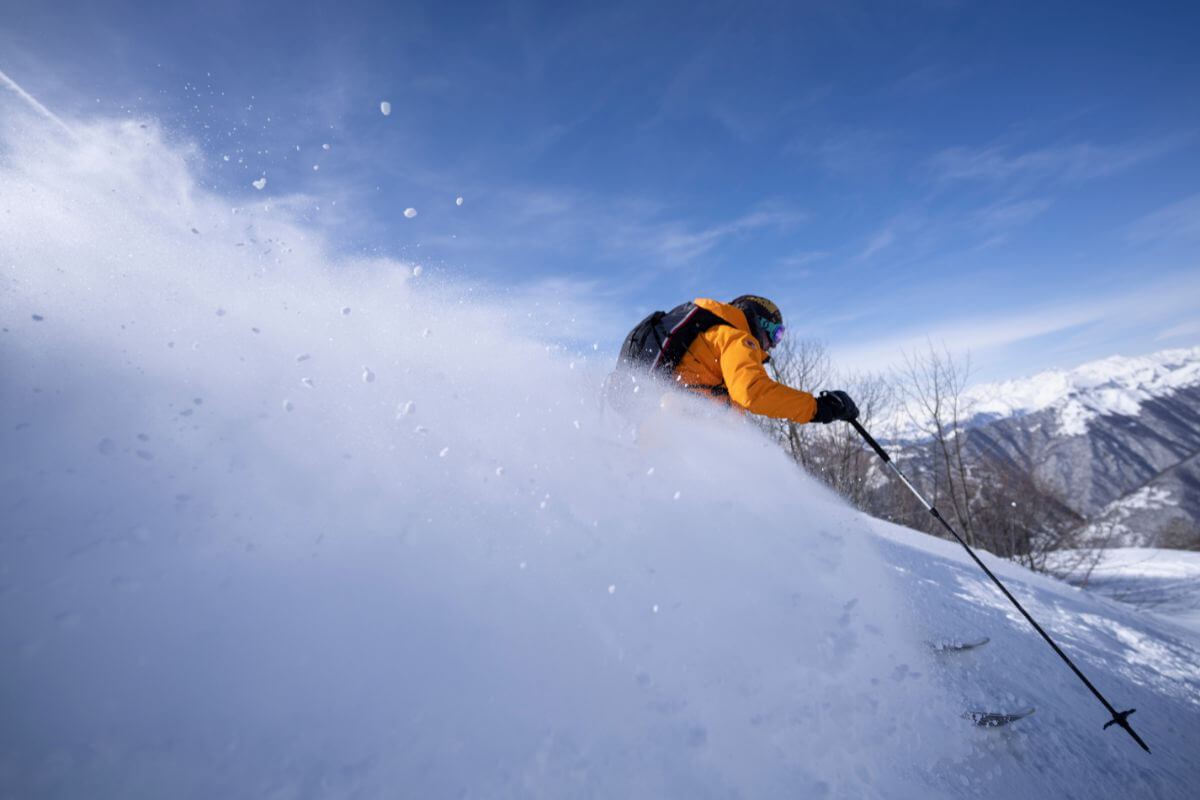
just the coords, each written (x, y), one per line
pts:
(657, 343)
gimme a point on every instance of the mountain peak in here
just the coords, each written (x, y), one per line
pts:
(1113, 385)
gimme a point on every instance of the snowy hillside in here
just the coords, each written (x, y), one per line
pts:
(275, 523)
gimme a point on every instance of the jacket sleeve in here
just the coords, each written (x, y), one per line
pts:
(749, 384)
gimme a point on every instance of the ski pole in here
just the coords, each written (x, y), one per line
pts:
(1118, 717)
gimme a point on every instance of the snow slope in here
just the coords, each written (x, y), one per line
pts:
(275, 523)
(1165, 582)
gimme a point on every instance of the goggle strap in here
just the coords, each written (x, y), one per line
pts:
(774, 330)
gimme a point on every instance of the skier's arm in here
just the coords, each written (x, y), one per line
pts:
(751, 387)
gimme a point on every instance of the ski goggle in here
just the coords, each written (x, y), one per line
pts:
(774, 330)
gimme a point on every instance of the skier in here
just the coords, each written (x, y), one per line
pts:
(719, 349)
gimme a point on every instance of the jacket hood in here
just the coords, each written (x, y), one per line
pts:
(731, 314)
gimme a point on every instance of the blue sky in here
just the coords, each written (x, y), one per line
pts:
(1021, 180)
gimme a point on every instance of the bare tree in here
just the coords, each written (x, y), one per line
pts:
(847, 465)
(833, 453)
(931, 387)
(1076, 565)
(1178, 533)
(992, 501)
(1019, 518)
(803, 363)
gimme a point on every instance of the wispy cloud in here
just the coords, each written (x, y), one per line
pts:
(971, 334)
(678, 244)
(989, 191)
(878, 242)
(1007, 214)
(1187, 330)
(844, 152)
(928, 78)
(797, 263)
(1012, 336)
(645, 235)
(908, 224)
(1180, 220)
(1072, 162)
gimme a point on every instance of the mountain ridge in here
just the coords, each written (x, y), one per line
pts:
(1116, 440)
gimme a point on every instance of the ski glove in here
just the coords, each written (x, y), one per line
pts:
(835, 405)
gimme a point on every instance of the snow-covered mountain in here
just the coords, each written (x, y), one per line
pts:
(278, 524)
(1117, 440)
(1116, 386)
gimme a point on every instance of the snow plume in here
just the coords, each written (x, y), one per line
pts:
(231, 568)
(279, 523)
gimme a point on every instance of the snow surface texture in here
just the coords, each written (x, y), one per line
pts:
(1135, 658)
(232, 565)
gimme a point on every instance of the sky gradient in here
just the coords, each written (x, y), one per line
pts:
(1020, 180)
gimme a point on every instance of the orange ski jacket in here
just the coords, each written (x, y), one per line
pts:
(727, 358)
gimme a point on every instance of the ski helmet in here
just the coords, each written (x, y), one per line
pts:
(766, 321)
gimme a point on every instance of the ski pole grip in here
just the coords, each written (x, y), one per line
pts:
(870, 440)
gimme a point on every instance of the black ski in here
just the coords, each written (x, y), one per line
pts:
(991, 719)
(957, 646)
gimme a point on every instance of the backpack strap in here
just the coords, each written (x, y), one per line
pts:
(686, 321)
